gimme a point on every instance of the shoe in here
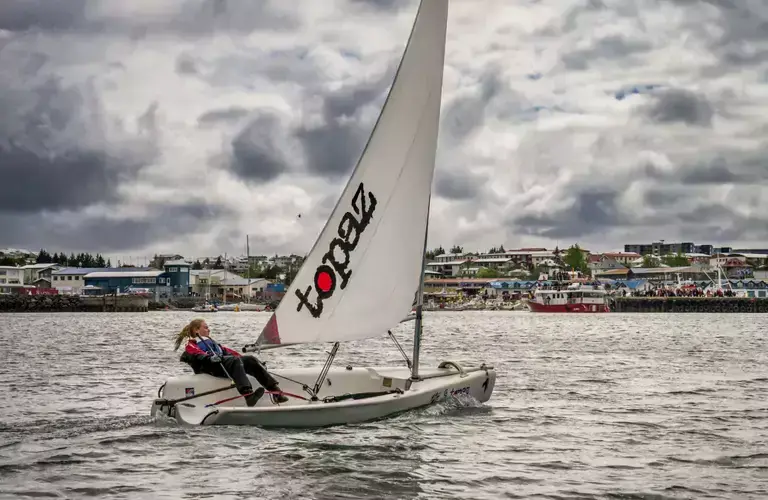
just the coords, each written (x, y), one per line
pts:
(279, 398)
(254, 397)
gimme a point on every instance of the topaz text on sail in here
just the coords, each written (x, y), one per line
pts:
(335, 263)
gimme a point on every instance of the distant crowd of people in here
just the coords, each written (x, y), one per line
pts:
(679, 292)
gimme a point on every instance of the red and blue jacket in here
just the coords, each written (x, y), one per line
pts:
(208, 347)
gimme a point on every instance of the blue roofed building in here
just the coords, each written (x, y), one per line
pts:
(150, 281)
(274, 291)
(70, 280)
(178, 274)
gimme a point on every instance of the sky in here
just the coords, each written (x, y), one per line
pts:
(143, 127)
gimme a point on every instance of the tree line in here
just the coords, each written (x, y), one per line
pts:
(80, 260)
(62, 259)
(458, 249)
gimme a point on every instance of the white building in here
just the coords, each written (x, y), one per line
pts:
(625, 258)
(10, 275)
(538, 258)
(447, 267)
(492, 262)
(69, 280)
(217, 282)
(449, 257)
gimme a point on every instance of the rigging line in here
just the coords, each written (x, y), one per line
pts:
(300, 384)
(326, 368)
(405, 356)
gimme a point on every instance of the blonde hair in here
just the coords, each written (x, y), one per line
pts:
(188, 331)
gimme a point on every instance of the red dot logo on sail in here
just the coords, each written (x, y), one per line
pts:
(324, 281)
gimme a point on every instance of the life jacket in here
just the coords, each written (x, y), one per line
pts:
(208, 346)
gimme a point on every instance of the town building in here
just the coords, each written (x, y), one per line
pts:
(12, 280)
(11, 275)
(33, 272)
(149, 281)
(177, 272)
(512, 261)
(626, 258)
(446, 267)
(273, 291)
(71, 280)
(698, 258)
(599, 264)
(258, 260)
(660, 248)
(159, 260)
(524, 256)
(754, 260)
(218, 283)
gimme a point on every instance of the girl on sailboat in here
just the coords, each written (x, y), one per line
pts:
(205, 355)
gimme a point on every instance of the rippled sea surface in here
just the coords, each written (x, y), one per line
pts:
(585, 406)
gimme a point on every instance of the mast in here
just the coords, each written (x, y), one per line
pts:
(719, 280)
(419, 303)
(248, 264)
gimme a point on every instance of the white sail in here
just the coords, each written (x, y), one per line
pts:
(360, 277)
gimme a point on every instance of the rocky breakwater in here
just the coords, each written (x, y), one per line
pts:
(72, 303)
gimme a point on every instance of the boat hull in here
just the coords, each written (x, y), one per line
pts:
(567, 308)
(243, 307)
(397, 394)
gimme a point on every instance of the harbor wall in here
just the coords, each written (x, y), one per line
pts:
(690, 304)
(73, 303)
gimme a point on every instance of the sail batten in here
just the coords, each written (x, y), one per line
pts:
(360, 276)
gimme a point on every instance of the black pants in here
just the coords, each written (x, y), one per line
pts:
(239, 367)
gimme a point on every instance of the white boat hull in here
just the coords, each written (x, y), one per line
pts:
(397, 394)
(246, 306)
(204, 309)
(242, 307)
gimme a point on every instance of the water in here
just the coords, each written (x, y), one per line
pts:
(585, 406)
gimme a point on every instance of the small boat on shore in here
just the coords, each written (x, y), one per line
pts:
(243, 307)
(206, 307)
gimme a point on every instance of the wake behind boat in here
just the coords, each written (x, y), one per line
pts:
(359, 278)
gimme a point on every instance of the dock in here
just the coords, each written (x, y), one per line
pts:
(690, 304)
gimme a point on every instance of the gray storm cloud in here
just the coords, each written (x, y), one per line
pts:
(184, 125)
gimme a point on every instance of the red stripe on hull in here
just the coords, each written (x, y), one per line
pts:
(568, 308)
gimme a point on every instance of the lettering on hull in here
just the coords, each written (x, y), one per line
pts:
(463, 390)
(442, 396)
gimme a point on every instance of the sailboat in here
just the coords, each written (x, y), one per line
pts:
(359, 279)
